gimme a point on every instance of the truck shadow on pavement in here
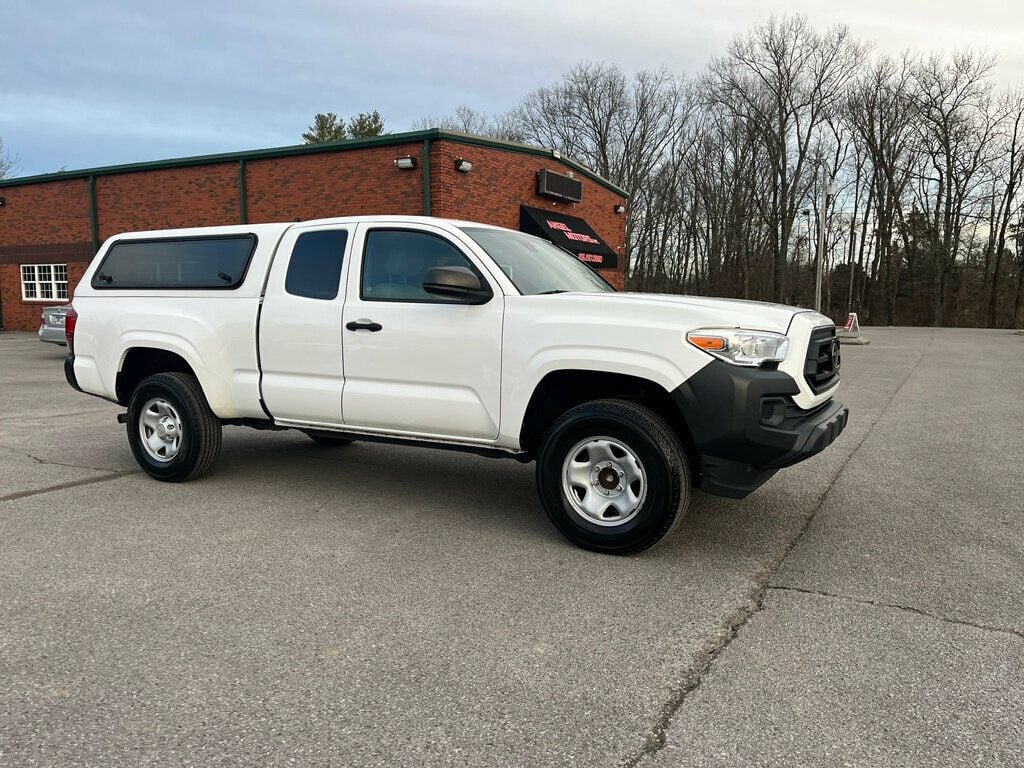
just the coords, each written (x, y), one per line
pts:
(465, 495)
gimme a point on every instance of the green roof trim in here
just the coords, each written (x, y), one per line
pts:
(391, 139)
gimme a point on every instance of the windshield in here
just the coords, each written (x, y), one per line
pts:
(534, 265)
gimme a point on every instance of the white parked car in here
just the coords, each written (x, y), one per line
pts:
(453, 334)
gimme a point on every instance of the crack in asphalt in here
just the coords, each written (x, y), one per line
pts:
(899, 606)
(73, 484)
(72, 466)
(657, 737)
(50, 415)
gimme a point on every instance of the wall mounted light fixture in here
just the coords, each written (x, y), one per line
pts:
(406, 163)
(620, 208)
(462, 165)
(2, 202)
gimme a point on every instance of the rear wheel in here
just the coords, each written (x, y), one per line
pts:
(613, 477)
(171, 430)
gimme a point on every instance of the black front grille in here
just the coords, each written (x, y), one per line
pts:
(823, 360)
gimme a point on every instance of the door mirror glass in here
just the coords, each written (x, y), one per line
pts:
(457, 283)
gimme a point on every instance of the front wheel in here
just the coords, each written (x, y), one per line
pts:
(613, 476)
(171, 429)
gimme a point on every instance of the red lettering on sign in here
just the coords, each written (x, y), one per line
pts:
(593, 258)
(582, 238)
(564, 228)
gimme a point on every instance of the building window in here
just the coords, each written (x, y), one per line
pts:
(44, 282)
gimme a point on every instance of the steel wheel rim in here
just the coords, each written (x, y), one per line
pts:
(160, 430)
(603, 481)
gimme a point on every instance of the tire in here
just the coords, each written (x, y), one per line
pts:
(626, 469)
(171, 409)
(328, 441)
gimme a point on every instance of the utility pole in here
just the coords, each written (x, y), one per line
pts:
(853, 249)
(826, 190)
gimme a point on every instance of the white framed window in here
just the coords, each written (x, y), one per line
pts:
(44, 282)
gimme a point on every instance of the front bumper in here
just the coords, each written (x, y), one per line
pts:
(746, 427)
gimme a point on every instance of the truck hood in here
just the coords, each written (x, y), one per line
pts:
(728, 313)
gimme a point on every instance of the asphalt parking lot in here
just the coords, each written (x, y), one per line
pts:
(376, 605)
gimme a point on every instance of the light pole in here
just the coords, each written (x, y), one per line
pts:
(826, 191)
(806, 213)
(849, 262)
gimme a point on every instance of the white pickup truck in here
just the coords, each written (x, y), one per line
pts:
(452, 334)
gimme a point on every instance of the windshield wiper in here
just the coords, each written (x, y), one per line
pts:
(556, 290)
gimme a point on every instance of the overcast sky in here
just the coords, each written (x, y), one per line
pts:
(98, 82)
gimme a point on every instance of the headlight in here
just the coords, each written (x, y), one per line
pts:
(734, 345)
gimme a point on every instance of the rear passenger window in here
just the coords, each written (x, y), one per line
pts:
(315, 267)
(217, 262)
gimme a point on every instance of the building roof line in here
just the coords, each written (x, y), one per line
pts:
(390, 139)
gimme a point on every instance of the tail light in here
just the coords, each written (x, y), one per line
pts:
(70, 321)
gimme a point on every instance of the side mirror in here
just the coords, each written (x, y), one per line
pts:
(456, 283)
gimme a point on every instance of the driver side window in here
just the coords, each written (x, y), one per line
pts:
(395, 261)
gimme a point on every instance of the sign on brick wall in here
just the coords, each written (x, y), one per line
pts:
(571, 233)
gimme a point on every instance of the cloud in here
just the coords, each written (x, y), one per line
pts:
(107, 82)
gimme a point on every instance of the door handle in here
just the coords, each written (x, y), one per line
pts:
(364, 325)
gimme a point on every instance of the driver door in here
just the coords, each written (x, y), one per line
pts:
(417, 363)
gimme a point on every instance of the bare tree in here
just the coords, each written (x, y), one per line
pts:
(955, 126)
(879, 109)
(624, 128)
(8, 163)
(469, 120)
(786, 80)
(1007, 172)
(621, 127)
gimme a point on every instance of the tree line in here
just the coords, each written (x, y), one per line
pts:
(913, 164)
(327, 127)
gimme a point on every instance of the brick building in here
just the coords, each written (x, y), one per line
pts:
(51, 225)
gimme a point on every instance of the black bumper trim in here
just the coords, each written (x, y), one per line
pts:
(69, 372)
(721, 404)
